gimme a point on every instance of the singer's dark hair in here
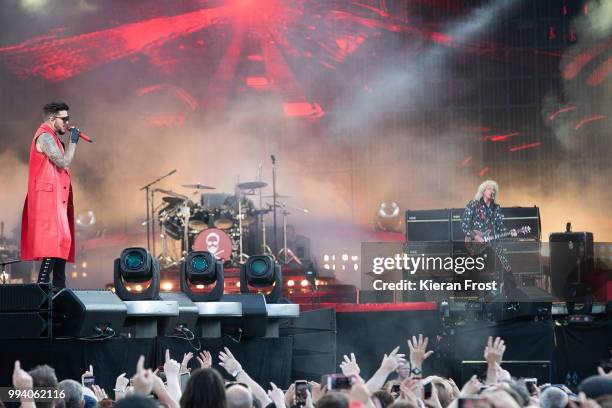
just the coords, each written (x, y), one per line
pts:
(52, 108)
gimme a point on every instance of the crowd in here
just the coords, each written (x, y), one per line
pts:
(399, 382)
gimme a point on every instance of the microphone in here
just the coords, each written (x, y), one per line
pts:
(273, 159)
(83, 136)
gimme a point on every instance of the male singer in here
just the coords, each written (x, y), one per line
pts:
(47, 225)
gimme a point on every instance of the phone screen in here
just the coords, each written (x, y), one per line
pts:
(427, 389)
(89, 381)
(301, 392)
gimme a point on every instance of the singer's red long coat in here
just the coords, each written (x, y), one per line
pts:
(47, 223)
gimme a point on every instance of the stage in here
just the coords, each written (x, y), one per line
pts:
(314, 343)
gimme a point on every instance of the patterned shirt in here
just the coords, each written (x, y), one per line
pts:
(482, 217)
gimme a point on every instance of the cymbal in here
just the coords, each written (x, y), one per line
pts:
(198, 186)
(249, 185)
(277, 196)
(174, 200)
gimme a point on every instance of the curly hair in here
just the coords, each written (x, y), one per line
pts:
(483, 186)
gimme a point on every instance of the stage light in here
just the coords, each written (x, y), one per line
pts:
(388, 217)
(136, 266)
(201, 268)
(290, 283)
(262, 271)
(167, 286)
(304, 283)
(85, 219)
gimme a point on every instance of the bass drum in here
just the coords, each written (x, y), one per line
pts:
(215, 241)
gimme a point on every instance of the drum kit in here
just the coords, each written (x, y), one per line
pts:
(229, 226)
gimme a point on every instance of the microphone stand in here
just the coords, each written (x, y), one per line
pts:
(274, 199)
(151, 209)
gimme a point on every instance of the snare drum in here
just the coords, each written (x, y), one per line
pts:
(215, 241)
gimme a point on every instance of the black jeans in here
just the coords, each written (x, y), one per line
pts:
(56, 266)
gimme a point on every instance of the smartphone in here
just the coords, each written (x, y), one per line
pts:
(336, 382)
(301, 392)
(89, 381)
(427, 389)
(395, 389)
(184, 380)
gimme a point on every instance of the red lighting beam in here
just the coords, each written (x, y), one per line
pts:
(556, 113)
(589, 119)
(484, 171)
(500, 138)
(525, 146)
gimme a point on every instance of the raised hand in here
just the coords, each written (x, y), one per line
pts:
(393, 360)
(433, 401)
(88, 373)
(21, 379)
(185, 363)
(121, 383)
(143, 380)
(318, 391)
(277, 396)
(418, 350)
(205, 359)
(229, 362)
(99, 392)
(411, 390)
(290, 395)
(601, 371)
(494, 351)
(349, 366)
(75, 134)
(171, 367)
(471, 388)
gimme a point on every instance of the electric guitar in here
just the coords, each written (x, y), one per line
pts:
(478, 241)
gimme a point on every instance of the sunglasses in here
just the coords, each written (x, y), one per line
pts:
(63, 118)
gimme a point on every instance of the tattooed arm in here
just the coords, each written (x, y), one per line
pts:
(47, 145)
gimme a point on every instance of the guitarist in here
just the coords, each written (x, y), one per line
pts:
(483, 214)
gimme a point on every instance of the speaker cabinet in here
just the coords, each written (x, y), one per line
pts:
(25, 311)
(571, 262)
(428, 225)
(87, 313)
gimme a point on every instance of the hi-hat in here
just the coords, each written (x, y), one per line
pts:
(198, 186)
(250, 185)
